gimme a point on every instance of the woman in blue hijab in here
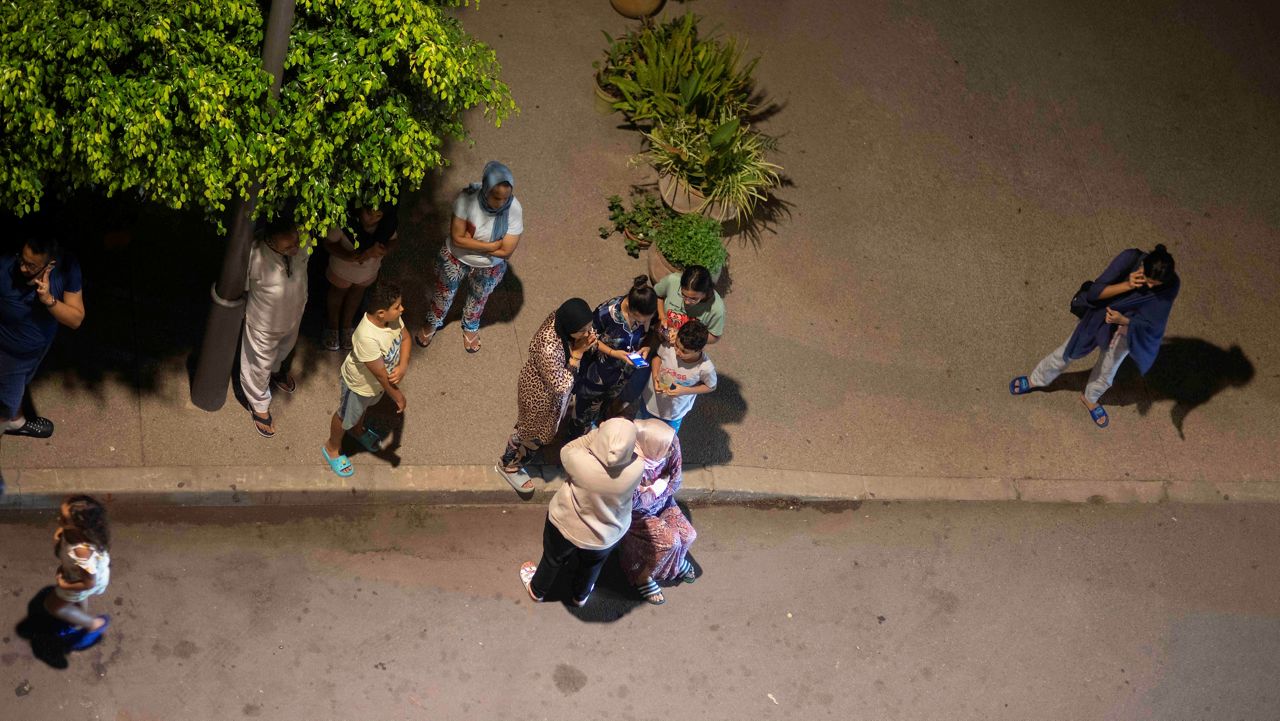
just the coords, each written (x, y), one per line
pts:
(1123, 312)
(486, 227)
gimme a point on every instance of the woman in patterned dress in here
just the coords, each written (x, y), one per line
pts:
(655, 547)
(542, 392)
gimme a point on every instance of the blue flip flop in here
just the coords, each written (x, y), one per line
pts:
(1019, 386)
(92, 637)
(371, 441)
(340, 465)
(1099, 416)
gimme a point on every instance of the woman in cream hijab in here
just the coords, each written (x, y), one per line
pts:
(654, 549)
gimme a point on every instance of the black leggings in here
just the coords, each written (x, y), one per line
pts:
(557, 551)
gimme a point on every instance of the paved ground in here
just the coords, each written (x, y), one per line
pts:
(902, 611)
(956, 169)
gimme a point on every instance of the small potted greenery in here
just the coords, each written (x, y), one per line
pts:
(718, 169)
(619, 57)
(638, 224)
(686, 240)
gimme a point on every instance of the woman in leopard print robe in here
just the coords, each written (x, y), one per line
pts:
(546, 381)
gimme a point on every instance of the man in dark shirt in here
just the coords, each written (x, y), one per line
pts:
(39, 290)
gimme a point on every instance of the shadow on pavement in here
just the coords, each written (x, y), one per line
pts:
(41, 630)
(704, 439)
(1188, 371)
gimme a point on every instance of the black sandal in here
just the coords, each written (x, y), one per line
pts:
(37, 427)
(258, 423)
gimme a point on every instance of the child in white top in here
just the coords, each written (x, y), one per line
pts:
(82, 545)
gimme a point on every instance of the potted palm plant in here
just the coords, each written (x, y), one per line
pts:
(685, 240)
(671, 71)
(714, 168)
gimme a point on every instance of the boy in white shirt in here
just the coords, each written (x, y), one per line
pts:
(680, 373)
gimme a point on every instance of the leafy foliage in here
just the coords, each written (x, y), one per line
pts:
(667, 71)
(692, 239)
(724, 161)
(639, 224)
(168, 99)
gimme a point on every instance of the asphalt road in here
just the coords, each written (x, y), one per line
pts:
(885, 611)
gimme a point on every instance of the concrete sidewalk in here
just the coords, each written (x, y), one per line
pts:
(955, 171)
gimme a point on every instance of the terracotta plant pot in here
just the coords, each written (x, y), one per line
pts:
(660, 267)
(684, 199)
(637, 9)
(640, 242)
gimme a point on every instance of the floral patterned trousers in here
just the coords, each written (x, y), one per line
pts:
(450, 272)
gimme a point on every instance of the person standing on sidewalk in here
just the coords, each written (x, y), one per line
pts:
(591, 512)
(690, 294)
(277, 294)
(655, 547)
(486, 227)
(621, 325)
(352, 270)
(544, 386)
(1124, 313)
(681, 372)
(378, 360)
(39, 290)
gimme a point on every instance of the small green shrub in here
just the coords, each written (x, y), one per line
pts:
(640, 223)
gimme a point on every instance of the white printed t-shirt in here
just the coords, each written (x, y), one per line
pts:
(480, 226)
(675, 371)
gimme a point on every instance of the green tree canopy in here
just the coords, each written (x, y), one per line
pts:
(168, 98)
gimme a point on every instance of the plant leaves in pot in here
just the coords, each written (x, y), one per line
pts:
(686, 240)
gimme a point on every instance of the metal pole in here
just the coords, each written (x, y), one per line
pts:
(226, 313)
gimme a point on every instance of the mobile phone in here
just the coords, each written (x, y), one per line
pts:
(637, 360)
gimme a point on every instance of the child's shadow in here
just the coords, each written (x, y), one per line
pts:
(704, 440)
(1188, 371)
(41, 630)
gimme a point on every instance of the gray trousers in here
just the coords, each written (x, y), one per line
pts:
(1104, 372)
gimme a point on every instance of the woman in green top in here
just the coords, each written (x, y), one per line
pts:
(686, 295)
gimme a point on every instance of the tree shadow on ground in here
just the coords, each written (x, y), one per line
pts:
(41, 631)
(1188, 371)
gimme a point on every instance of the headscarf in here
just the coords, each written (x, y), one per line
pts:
(495, 174)
(614, 443)
(653, 443)
(571, 316)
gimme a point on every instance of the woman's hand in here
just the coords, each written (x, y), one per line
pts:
(1137, 279)
(1116, 318)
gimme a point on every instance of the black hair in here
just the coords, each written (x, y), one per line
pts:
(697, 279)
(693, 335)
(642, 298)
(387, 227)
(89, 517)
(283, 223)
(44, 245)
(383, 295)
(1158, 265)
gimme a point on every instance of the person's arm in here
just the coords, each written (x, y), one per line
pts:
(655, 372)
(506, 246)
(406, 349)
(464, 240)
(333, 244)
(712, 338)
(68, 310)
(674, 471)
(379, 371)
(1116, 279)
(82, 585)
(680, 390)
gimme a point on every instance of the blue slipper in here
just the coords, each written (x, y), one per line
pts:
(92, 637)
(371, 441)
(340, 465)
(1020, 385)
(1099, 416)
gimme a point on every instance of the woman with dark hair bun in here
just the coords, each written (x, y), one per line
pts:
(621, 324)
(689, 294)
(1123, 312)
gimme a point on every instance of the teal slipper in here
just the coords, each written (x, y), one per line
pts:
(340, 465)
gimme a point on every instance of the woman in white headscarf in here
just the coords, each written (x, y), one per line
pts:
(655, 547)
(592, 510)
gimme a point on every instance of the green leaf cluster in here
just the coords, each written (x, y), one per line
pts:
(692, 239)
(663, 72)
(168, 99)
(639, 223)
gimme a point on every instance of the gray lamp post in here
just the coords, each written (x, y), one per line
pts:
(217, 351)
